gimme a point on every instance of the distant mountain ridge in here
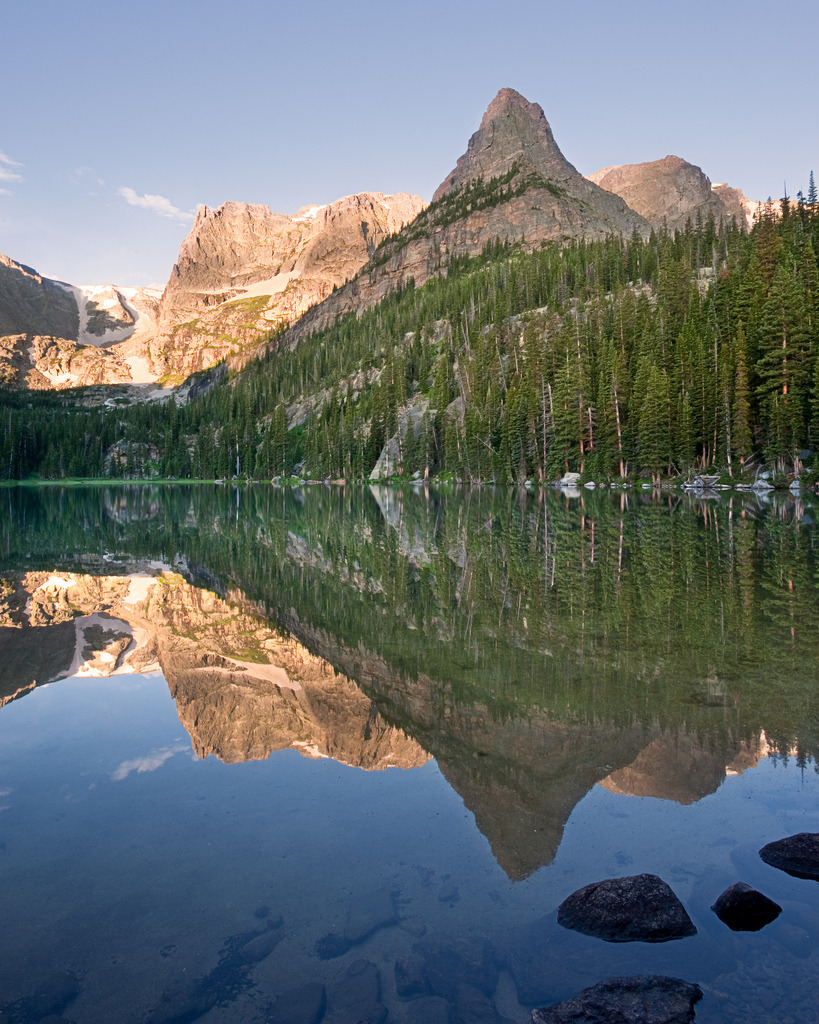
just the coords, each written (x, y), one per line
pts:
(512, 184)
(244, 271)
(672, 191)
(57, 335)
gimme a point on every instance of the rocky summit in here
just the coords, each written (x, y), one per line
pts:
(244, 270)
(546, 196)
(512, 184)
(671, 191)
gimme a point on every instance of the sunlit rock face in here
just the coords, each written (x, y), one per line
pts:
(244, 270)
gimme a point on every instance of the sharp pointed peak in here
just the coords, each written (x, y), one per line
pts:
(510, 99)
(515, 136)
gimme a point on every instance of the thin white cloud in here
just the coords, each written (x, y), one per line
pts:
(149, 763)
(157, 204)
(6, 192)
(6, 174)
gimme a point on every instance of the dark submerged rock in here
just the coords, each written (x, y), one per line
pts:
(640, 908)
(52, 993)
(262, 944)
(410, 976)
(474, 1007)
(363, 919)
(428, 1010)
(797, 855)
(645, 999)
(745, 909)
(537, 953)
(461, 961)
(303, 1005)
(358, 996)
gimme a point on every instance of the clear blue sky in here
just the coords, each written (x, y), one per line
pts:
(188, 102)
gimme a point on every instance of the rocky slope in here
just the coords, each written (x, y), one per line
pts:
(56, 335)
(671, 191)
(244, 270)
(513, 184)
(739, 206)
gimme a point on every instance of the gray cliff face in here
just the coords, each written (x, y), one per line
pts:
(512, 131)
(31, 304)
(669, 192)
(545, 199)
(244, 270)
(55, 335)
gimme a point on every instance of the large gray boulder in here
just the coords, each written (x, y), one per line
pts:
(798, 855)
(645, 999)
(636, 908)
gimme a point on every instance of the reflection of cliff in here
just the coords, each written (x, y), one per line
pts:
(679, 767)
(242, 688)
(54, 625)
(243, 711)
(522, 776)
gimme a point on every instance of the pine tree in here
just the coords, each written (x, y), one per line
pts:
(741, 433)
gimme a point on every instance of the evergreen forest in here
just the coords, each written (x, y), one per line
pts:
(619, 358)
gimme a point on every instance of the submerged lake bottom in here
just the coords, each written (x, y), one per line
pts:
(143, 883)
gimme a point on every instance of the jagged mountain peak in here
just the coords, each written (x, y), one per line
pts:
(510, 99)
(513, 134)
(244, 269)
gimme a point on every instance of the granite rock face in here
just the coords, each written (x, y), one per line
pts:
(514, 138)
(244, 270)
(31, 304)
(739, 206)
(645, 999)
(669, 192)
(639, 908)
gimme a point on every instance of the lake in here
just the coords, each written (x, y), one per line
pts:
(339, 754)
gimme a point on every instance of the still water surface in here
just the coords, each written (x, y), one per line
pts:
(345, 752)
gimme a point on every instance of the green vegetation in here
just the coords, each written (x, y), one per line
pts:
(458, 204)
(623, 357)
(663, 612)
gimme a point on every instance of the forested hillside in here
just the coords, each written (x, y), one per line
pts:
(612, 358)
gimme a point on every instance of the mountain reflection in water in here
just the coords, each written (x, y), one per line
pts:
(534, 646)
